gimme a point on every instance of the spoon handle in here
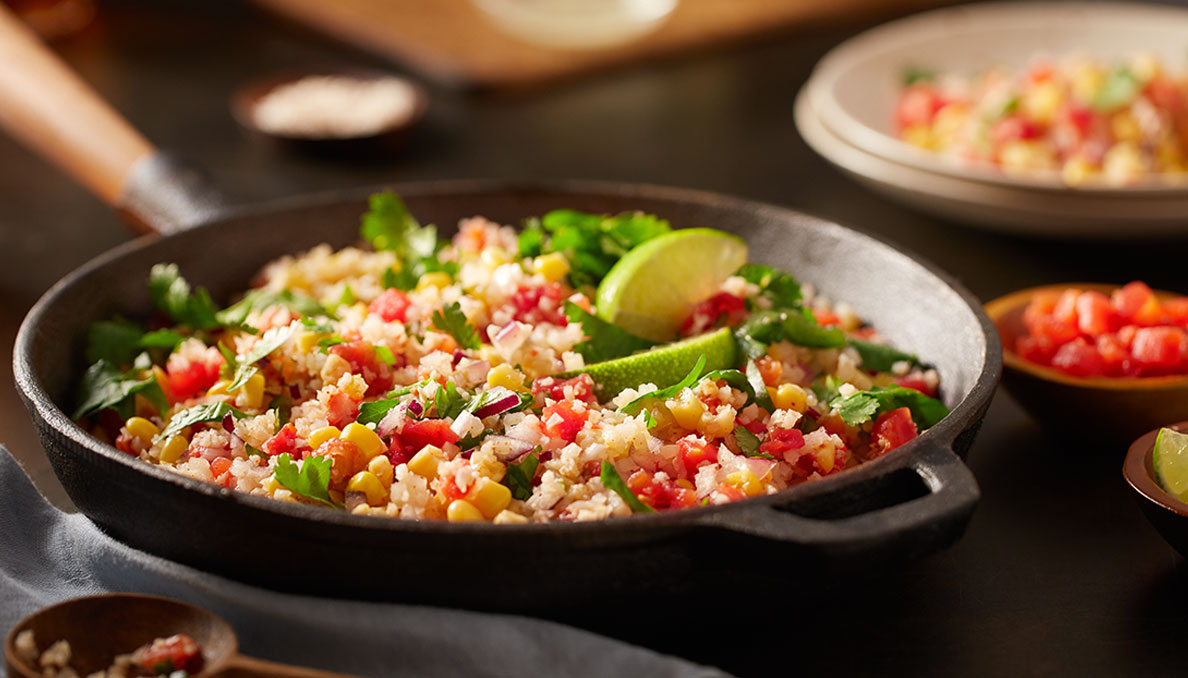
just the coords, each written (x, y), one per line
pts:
(249, 667)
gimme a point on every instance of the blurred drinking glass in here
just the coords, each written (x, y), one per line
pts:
(577, 24)
(54, 18)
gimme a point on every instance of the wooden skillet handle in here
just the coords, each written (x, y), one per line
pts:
(52, 111)
(240, 666)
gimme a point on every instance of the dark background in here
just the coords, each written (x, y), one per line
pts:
(1058, 573)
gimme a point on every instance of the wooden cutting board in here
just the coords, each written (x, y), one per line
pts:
(452, 41)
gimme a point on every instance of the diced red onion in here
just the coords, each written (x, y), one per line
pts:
(392, 422)
(229, 423)
(415, 408)
(510, 337)
(294, 391)
(812, 412)
(508, 449)
(476, 371)
(458, 356)
(760, 467)
(499, 406)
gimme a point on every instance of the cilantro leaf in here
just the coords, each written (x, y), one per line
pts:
(880, 357)
(802, 329)
(104, 386)
(797, 326)
(448, 402)
(531, 241)
(387, 222)
(633, 407)
(1120, 87)
(759, 387)
(259, 299)
(497, 393)
(388, 225)
(373, 412)
(860, 407)
(604, 341)
(283, 404)
(592, 242)
(612, 481)
(452, 321)
(780, 287)
(519, 476)
(311, 480)
(171, 293)
(385, 355)
(917, 74)
(199, 414)
(748, 443)
(166, 339)
(272, 340)
(115, 341)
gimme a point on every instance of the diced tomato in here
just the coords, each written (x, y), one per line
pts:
(781, 440)
(188, 378)
(682, 497)
(451, 491)
(1013, 128)
(1095, 315)
(730, 492)
(918, 384)
(918, 105)
(417, 434)
(342, 410)
(391, 305)
(1056, 331)
(892, 429)
(1037, 349)
(660, 494)
(1176, 310)
(694, 452)
(365, 362)
(1114, 355)
(1159, 349)
(220, 466)
(541, 304)
(581, 387)
(708, 313)
(1126, 335)
(284, 442)
(1065, 310)
(345, 460)
(1079, 358)
(770, 369)
(755, 426)
(398, 452)
(562, 422)
(1040, 306)
(826, 318)
(167, 655)
(123, 443)
(1135, 301)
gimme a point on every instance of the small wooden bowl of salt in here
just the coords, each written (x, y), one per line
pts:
(337, 113)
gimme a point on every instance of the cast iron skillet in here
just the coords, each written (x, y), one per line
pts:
(913, 501)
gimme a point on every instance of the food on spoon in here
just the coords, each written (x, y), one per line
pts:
(1128, 333)
(1085, 119)
(1170, 460)
(473, 379)
(176, 656)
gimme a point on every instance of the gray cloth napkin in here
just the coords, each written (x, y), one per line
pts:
(47, 556)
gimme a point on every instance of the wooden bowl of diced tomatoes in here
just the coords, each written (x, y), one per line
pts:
(1096, 361)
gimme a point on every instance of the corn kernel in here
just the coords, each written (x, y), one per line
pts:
(1125, 127)
(1042, 101)
(1077, 170)
(367, 483)
(424, 463)
(251, 394)
(272, 485)
(685, 483)
(1123, 163)
(552, 266)
(789, 397)
(948, 124)
(489, 497)
(436, 279)
(494, 256)
(462, 511)
(826, 457)
(368, 442)
(686, 409)
(306, 341)
(381, 466)
(506, 376)
(918, 135)
(1145, 66)
(322, 435)
(219, 388)
(1087, 80)
(1026, 156)
(173, 449)
(506, 517)
(143, 429)
(746, 482)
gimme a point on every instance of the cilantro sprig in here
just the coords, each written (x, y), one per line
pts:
(859, 408)
(199, 414)
(691, 378)
(452, 321)
(611, 480)
(604, 341)
(592, 243)
(171, 293)
(104, 385)
(388, 225)
(311, 480)
(519, 476)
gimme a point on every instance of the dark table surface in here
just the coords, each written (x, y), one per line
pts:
(1058, 574)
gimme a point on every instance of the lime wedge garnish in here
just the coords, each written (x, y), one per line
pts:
(1170, 459)
(664, 365)
(653, 288)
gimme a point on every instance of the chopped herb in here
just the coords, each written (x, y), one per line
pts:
(272, 340)
(260, 299)
(802, 329)
(385, 355)
(391, 278)
(531, 240)
(759, 387)
(632, 407)
(448, 402)
(497, 393)
(171, 293)
(879, 357)
(1121, 86)
(918, 74)
(604, 341)
(796, 326)
(311, 480)
(104, 386)
(373, 412)
(197, 415)
(326, 342)
(315, 326)
(780, 287)
(593, 242)
(471, 442)
(519, 476)
(166, 339)
(860, 407)
(388, 225)
(452, 321)
(115, 341)
(230, 361)
(283, 405)
(611, 481)
(748, 444)
(387, 222)
(649, 418)
(828, 390)
(254, 451)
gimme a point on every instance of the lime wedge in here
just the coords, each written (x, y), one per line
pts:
(662, 366)
(1170, 459)
(652, 289)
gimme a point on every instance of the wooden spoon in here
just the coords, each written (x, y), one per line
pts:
(100, 627)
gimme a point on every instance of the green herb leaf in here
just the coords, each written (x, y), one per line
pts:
(385, 355)
(199, 414)
(880, 357)
(519, 476)
(759, 387)
(272, 340)
(496, 393)
(448, 402)
(748, 444)
(171, 293)
(593, 242)
(1121, 86)
(531, 240)
(452, 321)
(166, 339)
(283, 404)
(326, 342)
(604, 341)
(260, 299)
(104, 386)
(612, 481)
(311, 480)
(917, 74)
(802, 329)
(633, 407)
(373, 412)
(348, 296)
(387, 222)
(115, 341)
(862, 406)
(780, 287)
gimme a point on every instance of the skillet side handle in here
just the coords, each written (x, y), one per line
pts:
(52, 111)
(903, 523)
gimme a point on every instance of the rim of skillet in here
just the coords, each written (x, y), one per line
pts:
(943, 433)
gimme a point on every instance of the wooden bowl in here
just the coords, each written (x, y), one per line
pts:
(1167, 513)
(1107, 408)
